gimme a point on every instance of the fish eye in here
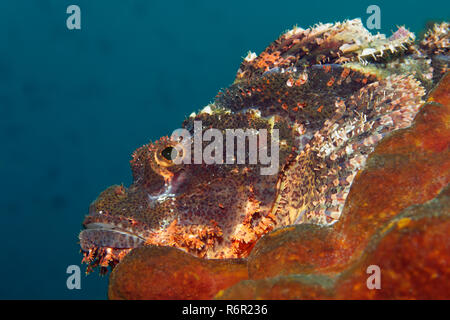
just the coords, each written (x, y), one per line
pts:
(167, 153)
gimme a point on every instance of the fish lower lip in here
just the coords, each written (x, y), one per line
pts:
(102, 226)
(109, 236)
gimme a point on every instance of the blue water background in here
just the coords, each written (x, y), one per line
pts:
(75, 104)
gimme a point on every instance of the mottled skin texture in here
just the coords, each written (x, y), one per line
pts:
(410, 167)
(333, 91)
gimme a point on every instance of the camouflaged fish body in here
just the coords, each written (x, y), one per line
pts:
(332, 91)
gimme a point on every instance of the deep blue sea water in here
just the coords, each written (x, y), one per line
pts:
(74, 104)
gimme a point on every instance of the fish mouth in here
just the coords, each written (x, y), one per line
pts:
(105, 243)
(108, 235)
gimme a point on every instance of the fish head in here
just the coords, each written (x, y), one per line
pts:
(207, 198)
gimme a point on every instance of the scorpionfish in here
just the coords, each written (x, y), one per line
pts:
(330, 92)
